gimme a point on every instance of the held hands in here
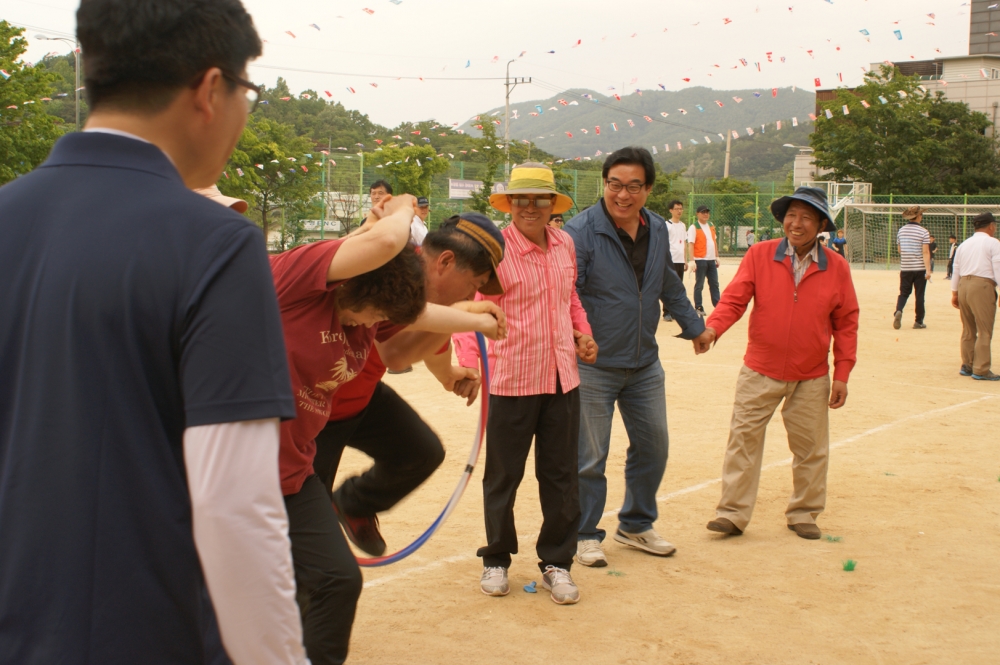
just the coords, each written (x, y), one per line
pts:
(464, 382)
(586, 347)
(703, 342)
(493, 320)
(838, 394)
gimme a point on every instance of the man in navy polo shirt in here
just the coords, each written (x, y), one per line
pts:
(142, 369)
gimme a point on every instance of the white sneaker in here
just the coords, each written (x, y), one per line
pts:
(648, 541)
(589, 553)
(560, 584)
(494, 581)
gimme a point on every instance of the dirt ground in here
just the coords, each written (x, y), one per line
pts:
(913, 498)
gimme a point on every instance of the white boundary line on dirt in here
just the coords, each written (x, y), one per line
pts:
(408, 572)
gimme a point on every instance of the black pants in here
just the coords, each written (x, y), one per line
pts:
(916, 281)
(327, 577)
(554, 423)
(711, 271)
(405, 450)
(951, 264)
(679, 269)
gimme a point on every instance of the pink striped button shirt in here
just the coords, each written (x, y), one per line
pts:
(542, 310)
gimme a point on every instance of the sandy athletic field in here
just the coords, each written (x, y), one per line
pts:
(913, 494)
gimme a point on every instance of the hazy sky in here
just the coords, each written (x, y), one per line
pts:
(648, 41)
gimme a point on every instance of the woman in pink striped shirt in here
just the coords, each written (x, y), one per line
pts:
(533, 390)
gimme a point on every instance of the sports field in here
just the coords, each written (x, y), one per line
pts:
(914, 499)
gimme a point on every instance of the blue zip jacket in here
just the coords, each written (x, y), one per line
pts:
(623, 319)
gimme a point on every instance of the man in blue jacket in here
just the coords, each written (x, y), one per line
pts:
(622, 253)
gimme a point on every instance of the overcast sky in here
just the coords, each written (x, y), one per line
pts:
(649, 42)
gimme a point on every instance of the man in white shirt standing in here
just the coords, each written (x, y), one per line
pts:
(705, 263)
(677, 234)
(974, 280)
(418, 229)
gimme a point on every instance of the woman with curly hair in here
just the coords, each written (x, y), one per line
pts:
(331, 295)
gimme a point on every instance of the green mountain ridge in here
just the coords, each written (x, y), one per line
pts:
(548, 129)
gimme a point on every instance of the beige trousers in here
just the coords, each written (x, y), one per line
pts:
(806, 416)
(977, 302)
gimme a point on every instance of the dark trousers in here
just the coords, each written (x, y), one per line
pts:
(679, 269)
(916, 281)
(706, 269)
(951, 264)
(405, 450)
(327, 577)
(554, 423)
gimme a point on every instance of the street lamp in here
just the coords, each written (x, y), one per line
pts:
(76, 54)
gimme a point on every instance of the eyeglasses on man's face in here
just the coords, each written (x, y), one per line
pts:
(525, 201)
(617, 186)
(252, 91)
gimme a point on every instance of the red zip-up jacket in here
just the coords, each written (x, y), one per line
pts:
(790, 328)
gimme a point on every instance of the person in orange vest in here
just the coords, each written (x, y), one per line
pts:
(704, 250)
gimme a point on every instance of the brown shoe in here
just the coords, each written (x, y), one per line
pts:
(722, 525)
(807, 531)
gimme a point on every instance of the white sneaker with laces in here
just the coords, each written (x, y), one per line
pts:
(590, 553)
(494, 581)
(560, 584)
(648, 541)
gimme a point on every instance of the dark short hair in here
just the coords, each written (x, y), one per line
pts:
(631, 155)
(469, 254)
(380, 183)
(952, 237)
(982, 220)
(138, 54)
(395, 289)
(675, 202)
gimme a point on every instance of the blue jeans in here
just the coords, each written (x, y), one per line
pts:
(642, 401)
(706, 269)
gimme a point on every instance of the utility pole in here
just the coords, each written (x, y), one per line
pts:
(729, 145)
(506, 124)
(76, 55)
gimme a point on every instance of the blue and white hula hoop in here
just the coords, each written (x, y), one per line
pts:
(477, 445)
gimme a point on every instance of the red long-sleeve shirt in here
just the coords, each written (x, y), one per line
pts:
(790, 327)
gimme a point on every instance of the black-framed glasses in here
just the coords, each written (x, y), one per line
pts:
(525, 201)
(252, 91)
(617, 186)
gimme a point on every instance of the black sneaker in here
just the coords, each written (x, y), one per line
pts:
(966, 370)
(667, 317)
(897, 319)
(362, 531)
(989, 376)
(919, 326)
(701, 311)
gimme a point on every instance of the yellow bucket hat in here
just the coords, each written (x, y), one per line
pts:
(531, 178)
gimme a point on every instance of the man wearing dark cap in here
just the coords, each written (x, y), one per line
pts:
(418, 229)
(914, 265)
(974, 279)
(802, 294)
(142, 369)
(705, 257)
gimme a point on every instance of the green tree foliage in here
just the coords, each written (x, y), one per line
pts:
(494, 157)
(913, 142)
(663, 191)
(63, 102)
(279, 170)
(409, 170)
(27, 130)
(762, 156)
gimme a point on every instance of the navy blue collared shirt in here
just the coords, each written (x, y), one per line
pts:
(131, 308)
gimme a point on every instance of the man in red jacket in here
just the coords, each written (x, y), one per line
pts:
(802, 295)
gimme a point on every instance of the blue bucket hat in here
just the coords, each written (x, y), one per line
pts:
(811, 195)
